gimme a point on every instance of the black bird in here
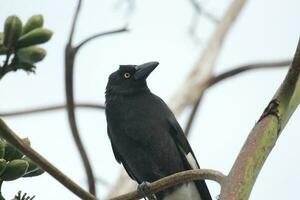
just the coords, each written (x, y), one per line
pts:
(145, 135)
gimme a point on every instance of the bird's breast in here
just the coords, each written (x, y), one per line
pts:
(136, 119)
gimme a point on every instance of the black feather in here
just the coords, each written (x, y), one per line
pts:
(145, 135)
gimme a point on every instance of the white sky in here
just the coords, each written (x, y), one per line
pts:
(266, 30)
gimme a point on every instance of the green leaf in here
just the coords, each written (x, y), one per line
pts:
(2, 165)
(2, 148)
(31, 55)
(14, 170)
(12, 31)
(36, 36)
(35, 21)
(10, 151)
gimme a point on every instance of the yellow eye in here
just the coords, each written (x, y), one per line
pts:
(127, 75)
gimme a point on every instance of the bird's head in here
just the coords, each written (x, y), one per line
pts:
(129, 79)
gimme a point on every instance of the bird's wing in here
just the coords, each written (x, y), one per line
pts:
(187, 154)
(119, 158)
(116, 153)
(182, 142)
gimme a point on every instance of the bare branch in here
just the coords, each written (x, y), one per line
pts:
(74, 22)
(243, 68)
(192, 116)
(5, 68)
(235, 71)
(175, 179)
(264, 135)
(69, 89)
(12, 138)
(50, 108)
(70, 54)
(199, 9)
(193, 87)
(98, 35)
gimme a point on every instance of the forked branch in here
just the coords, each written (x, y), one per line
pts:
(70, 56)
(264, 135)
(228, 74)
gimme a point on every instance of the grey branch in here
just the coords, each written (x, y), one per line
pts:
(264, 135)
(50, 108)
(243, 68)
(74, 22)
(200, 10)
(69, 91)
(192, 88)
(230, 73)
(98, 35)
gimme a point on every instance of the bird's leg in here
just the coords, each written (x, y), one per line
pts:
(143, 189)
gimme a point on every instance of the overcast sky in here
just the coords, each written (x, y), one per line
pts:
(266, 30)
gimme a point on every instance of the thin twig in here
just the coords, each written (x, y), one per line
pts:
(191, 118)
(120, 30)
(228, 74)
(7, 59)
(199, 9)
(243, 68)
(192, 88)
(49, 108)
(12, 138)
(4, 69)
(69, 69)
(74, 22)
(176, 179)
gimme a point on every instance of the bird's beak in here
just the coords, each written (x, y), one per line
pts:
(143, 70)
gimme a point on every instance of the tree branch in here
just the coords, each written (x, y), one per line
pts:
(191, 118)
(69, 89)
(11, 137)
(5, 68)
(228, 74)
(49, 108)
(243, 68)
(70, 54)
(175, 179)
(192, 88)
(74, 22)
(199, 9)
(98, 35)
(264, 135)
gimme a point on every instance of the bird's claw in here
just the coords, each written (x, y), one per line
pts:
(143, 189)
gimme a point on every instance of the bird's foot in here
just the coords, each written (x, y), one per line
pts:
(143, 189)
